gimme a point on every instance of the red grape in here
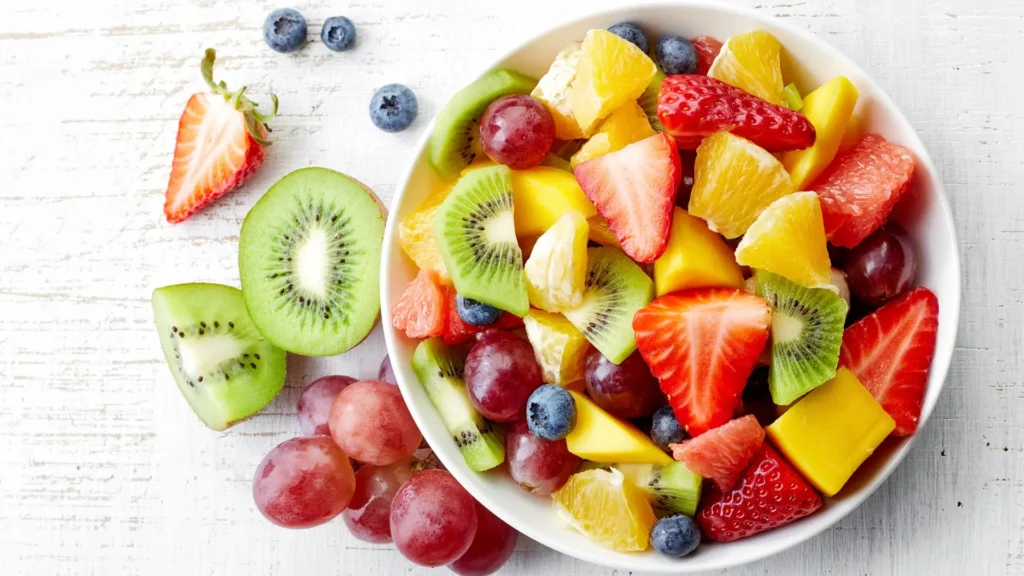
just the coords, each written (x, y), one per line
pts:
(627, 390)
(433, 519)
(371, 422)
(501, 372)
(303, 482)
(314, 407)
(539, 466)
(368, 515)
(491, 548)
(386, 373)
(517, 131)
(881, 267)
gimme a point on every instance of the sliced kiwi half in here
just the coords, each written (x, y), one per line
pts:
(439, 369)
(649, 101)
(616, 288)
(476, 235)
(670, 488)
(309, 259)
(807, 332)
(454, 141)
(224, 367)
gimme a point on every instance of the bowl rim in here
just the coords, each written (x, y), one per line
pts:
(941, 360)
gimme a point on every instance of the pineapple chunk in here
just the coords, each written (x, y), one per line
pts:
(556, 272)
(611, 72)
(541, 195)
(560, 348)
(829, 109)
(694, 258)
(627, 124)
(553, 91)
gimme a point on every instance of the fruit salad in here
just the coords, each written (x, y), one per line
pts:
(662, 285)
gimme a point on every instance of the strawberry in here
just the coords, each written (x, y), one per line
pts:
(220, 143)
(770, 494)
(421, 310)
(723, 453)
(707, 50)
(635, 189)
(692, 107)
(860, 187)
(890, 352)
(457, 331)
(702, 345)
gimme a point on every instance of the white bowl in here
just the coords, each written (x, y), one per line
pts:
(810, 62)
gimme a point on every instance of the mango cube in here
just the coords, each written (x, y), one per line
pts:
(695, 257)
(541, 195)
(829, 109)
(603, 438)
(560, 348)
(830, 432)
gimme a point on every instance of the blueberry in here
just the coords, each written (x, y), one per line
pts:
(551, 412)
(631, 32)
(676, 55)
(393, 108)
(675, 535)
(665, 429)
(285, 30)
(476, 313)
(338, 34)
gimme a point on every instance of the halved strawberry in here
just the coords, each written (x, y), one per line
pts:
(860, 187)
(421, 310)
(890, 352)
(220, 143)
(456, 331)
(707, 50)
(770, 494)
(723, 453)
(635, 189)
(692, 107)
(702, 346)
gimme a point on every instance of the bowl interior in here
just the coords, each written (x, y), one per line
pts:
(809, 62)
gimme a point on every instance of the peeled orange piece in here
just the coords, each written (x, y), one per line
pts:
(751, 63)
(611, 72)
(788, 238)
(556, 272)
(734, 180)
(560, 348)
(606, 508)
(416, 234)
(627, 124)
(553, 91)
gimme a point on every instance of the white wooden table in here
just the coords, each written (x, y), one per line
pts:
(104, 470)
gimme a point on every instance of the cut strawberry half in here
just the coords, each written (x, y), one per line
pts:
(457, 331)
(421, 310)
(890, 352)
(861, 187)
(702, 346)
(220, 143)
(707, 50)
(723, 453)
(635, 189)
(769, 494)
(692, 107)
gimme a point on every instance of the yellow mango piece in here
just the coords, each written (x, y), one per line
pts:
(603, 438)
(611, 72)
(734, 180)
(854, 132)
(553, 91)
(829, 109)
(751, 62)
(482, 161)
(626, 124)
(560, 348)
(788, 238)
(695, 257)
(541, 195)
(829, 433)
(601, 233)
(556, 272)
(607, 508)
(416, 234)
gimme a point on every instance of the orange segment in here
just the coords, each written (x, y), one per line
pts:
(751, 62)
(416, 234)
(606, 508)
(560, 348)
(611, 72)
(734, 180)
(553, 91)
(627, 124)
(788, 238)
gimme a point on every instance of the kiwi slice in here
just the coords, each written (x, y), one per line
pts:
(671, 488)
(476, 236)
(309, 259)
(649, 101)
(439, 368)
(456, 128)
(807, 331)
(224, 367)
(616, 288)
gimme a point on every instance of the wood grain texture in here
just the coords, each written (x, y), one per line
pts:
(106, 471)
